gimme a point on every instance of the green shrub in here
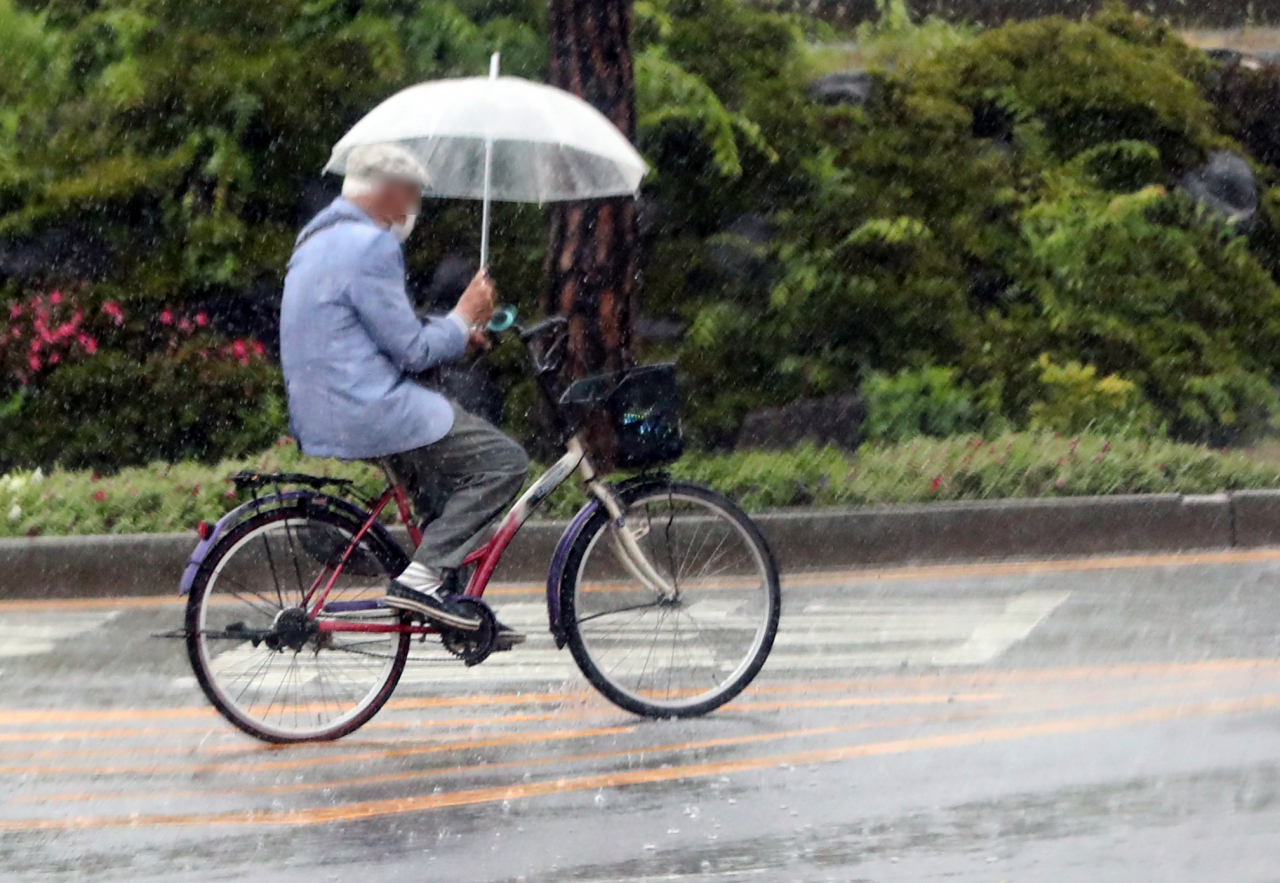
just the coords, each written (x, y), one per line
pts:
(113, 411)
(1002, 196)
(173, 497)
(926, 401)
(1074, 399)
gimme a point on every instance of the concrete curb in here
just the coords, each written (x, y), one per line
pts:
(802, 539)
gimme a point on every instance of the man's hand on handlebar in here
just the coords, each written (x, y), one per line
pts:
(477, 304)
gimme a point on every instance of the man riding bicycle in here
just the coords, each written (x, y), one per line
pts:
(349, 340)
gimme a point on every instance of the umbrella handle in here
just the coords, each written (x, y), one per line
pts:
(488, 178)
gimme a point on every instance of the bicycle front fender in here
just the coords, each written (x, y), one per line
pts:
(556, 574)
(252, 507)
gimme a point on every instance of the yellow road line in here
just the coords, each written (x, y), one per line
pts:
(438, 747)
(471, 797)
(722, 742)
(436, 744)
(929, 680)
(1092, 699)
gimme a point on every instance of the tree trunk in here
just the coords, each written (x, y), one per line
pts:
(593, 259)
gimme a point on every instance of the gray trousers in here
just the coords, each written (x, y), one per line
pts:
(458, 485)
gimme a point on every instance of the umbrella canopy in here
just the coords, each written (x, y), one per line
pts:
(548, 145)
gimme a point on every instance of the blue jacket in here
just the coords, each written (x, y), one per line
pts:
(348, 336)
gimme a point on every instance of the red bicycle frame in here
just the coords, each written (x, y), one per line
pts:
(485, 558)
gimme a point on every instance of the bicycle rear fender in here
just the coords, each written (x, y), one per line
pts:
(248, 509)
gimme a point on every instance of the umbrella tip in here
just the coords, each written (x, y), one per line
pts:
(493, 66)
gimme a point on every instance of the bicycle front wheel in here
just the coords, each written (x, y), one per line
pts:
(683, 654)
(261, 656)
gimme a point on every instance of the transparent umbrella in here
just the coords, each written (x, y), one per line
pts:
(501, 138)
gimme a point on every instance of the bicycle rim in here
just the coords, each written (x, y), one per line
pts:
(257, 654)
(689, 655)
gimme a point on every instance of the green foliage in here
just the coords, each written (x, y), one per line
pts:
(1075, 399)
(927, 401)
(111, 411)
(164, 497)
(1001, 196)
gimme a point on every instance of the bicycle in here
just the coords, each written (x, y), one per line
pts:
(289, 640)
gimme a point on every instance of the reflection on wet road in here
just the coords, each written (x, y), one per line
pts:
(1095, 719)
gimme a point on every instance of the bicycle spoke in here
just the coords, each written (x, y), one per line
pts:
(703, 643)
(312, 681)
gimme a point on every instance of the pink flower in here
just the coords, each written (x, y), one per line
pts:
(55, 298)
(166, 317)
(201, 320)
(34, 363)
(239, 350)
(15, 333)
(258, 348)
(90, 345)
(15, 311)
(184, 324)
(113, 310)
(55, 359)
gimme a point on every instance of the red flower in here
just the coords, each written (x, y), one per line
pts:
(100, 496)
(166, 317)
(935, 484)
(94, 477)
(195, 491)
(113, 310)
(201, 320)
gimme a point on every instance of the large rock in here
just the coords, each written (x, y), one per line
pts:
(834, 420)
(853, 88)
(1226, 185)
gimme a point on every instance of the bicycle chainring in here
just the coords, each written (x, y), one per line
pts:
(473, 647)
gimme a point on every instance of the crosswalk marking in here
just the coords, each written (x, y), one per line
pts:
(817, 634)
(29, 633)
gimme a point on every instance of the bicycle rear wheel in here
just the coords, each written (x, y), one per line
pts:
(682, 656)
(261, 659)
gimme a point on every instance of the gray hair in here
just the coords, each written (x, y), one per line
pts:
(368, 165)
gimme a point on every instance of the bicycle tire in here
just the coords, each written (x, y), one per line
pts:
(390, 557)
(589, 652)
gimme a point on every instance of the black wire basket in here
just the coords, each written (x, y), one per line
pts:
(644, 407)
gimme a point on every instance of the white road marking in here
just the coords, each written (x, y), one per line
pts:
(820, 635)
(29, 633)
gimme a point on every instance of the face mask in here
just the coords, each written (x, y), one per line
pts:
(401, 231)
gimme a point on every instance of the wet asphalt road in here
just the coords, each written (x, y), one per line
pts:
(1093, 720)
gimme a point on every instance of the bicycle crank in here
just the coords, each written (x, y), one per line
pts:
(472, 647)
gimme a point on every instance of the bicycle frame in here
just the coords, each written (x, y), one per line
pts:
(486, 557)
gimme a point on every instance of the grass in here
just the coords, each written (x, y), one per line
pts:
(174, 497)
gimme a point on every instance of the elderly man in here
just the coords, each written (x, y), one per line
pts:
(348, 341)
